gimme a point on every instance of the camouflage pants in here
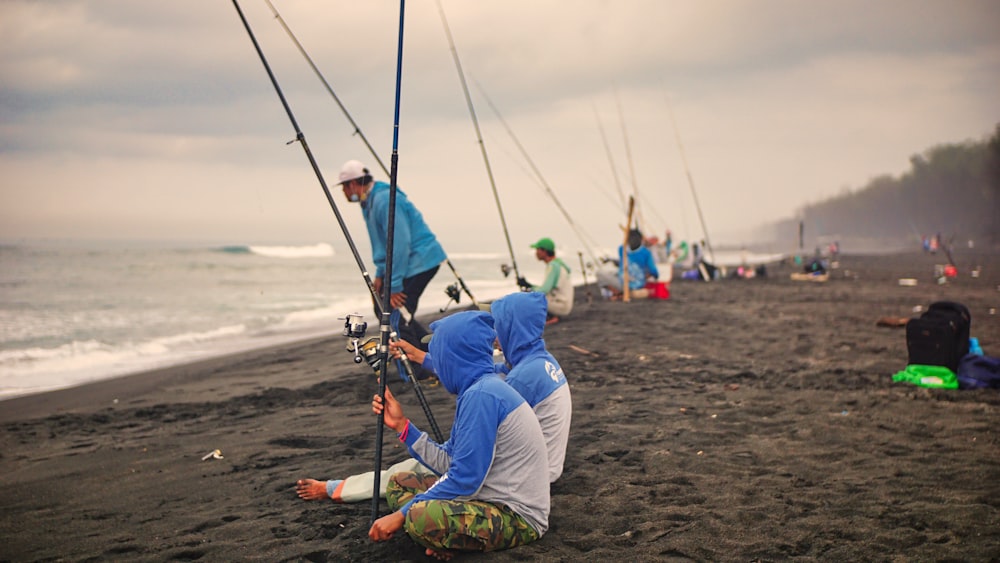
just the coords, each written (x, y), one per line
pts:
(470, 525)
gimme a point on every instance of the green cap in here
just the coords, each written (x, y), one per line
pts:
(545, 244)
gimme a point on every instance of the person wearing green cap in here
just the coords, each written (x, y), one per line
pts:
(557, 287)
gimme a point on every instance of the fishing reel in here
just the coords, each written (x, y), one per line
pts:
(454, 294)
(355, 329)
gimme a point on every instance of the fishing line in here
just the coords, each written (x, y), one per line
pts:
(479, 136)
(687, 170)
(358, 132)
(300, 137)
(535, 169)
(628, 154)
(611, 160)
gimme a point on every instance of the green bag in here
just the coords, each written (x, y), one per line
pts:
(934, 377)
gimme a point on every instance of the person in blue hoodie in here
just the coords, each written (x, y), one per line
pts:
(641, 269)
(491, 489)
(519, 320)
(528, 367)
(417, 255)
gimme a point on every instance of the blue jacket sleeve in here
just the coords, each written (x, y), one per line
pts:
(472, 443)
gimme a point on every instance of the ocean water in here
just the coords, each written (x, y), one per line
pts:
(75, 313)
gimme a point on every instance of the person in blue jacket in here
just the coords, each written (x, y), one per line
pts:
(641, 268)
(416, 255)
(491, 489)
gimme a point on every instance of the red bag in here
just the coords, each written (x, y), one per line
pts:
(658, 290)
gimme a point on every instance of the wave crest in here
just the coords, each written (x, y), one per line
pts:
(319, 250)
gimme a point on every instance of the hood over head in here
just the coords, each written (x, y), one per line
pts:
(462, 348)
(519, 321)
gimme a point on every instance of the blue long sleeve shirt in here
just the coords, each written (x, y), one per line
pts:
(415, 248)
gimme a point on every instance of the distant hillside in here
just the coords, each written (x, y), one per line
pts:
(952, 189)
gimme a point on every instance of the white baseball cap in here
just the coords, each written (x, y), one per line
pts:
(352, 170)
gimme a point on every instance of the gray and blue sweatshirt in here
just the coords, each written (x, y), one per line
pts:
(519, 321)
(496, 451)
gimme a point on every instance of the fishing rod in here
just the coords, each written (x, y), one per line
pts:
(611, 160)
(590, 298)
(385, 325)
(535, 169)
(479, 137)
(687, 170)
(451, 291)
(628, 155)
(300, 137)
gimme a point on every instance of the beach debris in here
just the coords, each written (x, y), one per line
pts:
(214, 454)
(910, 282)
(918, 308)
(583, 351)
(893, 321)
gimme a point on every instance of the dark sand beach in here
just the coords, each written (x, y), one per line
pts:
(741, 420)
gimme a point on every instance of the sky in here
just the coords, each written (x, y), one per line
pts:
(156, 121)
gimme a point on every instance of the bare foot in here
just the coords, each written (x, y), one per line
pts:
(442, 555)
(310, 489)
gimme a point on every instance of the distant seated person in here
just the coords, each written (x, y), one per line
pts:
(641, 269)
(816, 266)
(557, 287)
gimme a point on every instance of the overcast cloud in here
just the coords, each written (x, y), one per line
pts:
(157, 121)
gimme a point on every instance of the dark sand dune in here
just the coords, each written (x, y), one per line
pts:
(738, 421)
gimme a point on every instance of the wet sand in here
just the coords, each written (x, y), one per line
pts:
(740, 420)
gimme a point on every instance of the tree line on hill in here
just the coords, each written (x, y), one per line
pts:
(951, 190)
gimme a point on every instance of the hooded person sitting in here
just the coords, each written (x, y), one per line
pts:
(519, 322)
(492, 491)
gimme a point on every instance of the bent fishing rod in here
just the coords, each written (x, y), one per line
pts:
(479, 136)
(360, 134)
(300, 137)
(538, 173)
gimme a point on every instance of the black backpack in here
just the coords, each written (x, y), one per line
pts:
(940, 336)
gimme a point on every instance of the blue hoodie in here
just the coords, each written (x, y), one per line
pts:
(496, 451)
(415, 248)
(519, 320)
(640, 265)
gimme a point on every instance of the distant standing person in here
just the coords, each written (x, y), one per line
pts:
(557, 287)
(416, 254)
